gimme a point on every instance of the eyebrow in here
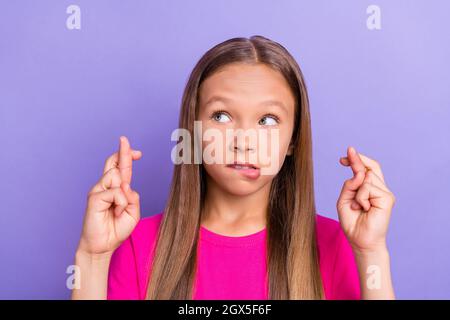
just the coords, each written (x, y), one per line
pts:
(226, 100)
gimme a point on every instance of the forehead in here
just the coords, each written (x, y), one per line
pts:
(247, 82)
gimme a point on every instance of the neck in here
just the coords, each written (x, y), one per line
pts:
(231, 214)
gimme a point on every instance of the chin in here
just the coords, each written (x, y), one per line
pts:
(242, 187)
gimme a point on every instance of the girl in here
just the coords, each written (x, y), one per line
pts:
(227, 231)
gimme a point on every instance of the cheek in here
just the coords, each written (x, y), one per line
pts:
(271, 145)
(275, 145)
(214, 145)
(212, 170)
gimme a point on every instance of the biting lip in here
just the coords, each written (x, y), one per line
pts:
(237, 165)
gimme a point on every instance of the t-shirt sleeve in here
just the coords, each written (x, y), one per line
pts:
(346, 284)
(122, 276)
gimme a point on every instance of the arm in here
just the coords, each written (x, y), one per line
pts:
(112, 213)
(375, 274)
(364, 207)
(93, 276)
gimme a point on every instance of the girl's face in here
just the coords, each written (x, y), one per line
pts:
(256, 99)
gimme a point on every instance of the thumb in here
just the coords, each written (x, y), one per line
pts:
(351, 186)
(102, 201)
(133, 208)
(371, 195)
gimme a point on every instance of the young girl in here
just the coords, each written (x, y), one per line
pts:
(228, 231)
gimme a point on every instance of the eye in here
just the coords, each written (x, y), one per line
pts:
(268, 120)
(220, 116)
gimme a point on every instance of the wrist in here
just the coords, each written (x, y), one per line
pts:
(379, 248)
(92, 258)
(91, 276)
(373, 256)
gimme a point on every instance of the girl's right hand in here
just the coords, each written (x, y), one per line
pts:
(113, 209)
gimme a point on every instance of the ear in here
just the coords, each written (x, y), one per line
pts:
(290, 149)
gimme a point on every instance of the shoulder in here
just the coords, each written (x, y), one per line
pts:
(329, 231)
(144, 236)
(146, 229)
(337, 264)
(330, 237)
(143, 239)
(129, 266)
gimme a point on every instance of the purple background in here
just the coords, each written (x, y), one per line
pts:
(67, 95)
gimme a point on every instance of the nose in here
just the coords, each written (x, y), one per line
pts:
(239, 149)
(243, 141)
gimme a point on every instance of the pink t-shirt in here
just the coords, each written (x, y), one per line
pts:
(231, 267)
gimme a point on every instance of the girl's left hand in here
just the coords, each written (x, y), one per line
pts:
(365, 204)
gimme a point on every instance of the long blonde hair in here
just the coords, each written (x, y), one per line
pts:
(292, 254)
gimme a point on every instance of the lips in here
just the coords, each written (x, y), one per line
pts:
(248, 170)
(242, 166)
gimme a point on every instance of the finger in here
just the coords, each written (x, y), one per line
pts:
(113, 160)
(362, 196)
(368, 162)
(349, 190)
(111, 179)
(373, 178)
(351, 186)
(355, 205)
(102, 201)
(372, 175)
(370, 195)
(356, 163)
(125, 160)
(133, 208)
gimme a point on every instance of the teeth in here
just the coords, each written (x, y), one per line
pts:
(242, 167)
